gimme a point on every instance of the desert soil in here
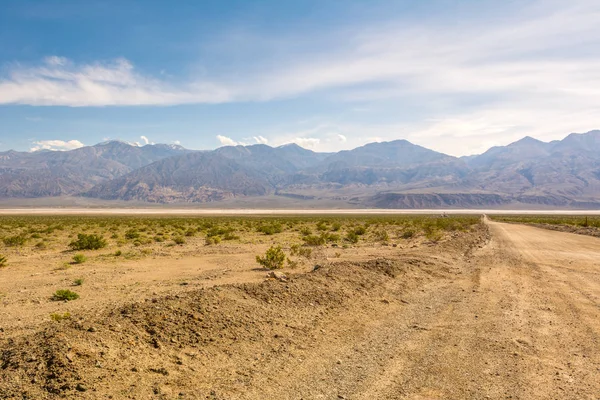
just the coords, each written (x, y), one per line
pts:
(505, 311)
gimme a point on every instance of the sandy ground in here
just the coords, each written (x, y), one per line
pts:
(508, 311)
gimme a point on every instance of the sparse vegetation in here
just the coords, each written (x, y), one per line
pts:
(135, 236)
(59, 317)
(15, 241)
(78, 282)
(3, 261)
(273, 258)
(79, 259)
(88, 242)
(64, 295)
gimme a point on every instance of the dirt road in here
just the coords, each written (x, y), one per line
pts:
(513, 317)
(520, 319)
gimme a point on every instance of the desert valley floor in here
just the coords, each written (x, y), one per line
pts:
(369, 307)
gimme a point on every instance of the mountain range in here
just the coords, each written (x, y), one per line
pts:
(396, 174)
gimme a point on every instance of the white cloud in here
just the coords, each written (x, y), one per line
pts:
(56, 145)
(342, 138)
(145, 139)
(177, 142)
(56, 61)
(227, 141)
(260, 140)
(60, 82)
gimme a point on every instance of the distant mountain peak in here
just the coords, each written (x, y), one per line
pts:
(527, 140)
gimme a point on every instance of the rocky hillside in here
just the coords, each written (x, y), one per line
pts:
(395, 174)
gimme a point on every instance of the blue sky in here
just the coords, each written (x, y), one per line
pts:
(455, 76)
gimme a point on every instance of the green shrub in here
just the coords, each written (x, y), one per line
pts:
(297, 250)
(179, 240)
(14, 241)
(322, 226)
(3, 261)
(314, 240)
(273, 258)
(361, 230)
(407, 234)
(132, 234)
(270, 229)
(305, 231)
(382, 236)
(118, 253)
(79, 259)
(59, 317)
(230, 236)
(212, 240)
(64, 295)
(352, 237)
(88, 242)
(190, 232)
(78, 282)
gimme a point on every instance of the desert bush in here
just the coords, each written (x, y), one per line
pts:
(273, 258)
(3, 261)
(212, 240)
(270, 229)
(230, 236)
(407, 234)
(78, 282)
(190, 232)
(291, 263)
(132, 234)
(433, 234)
(297, 250)
(79, 259)
(118, 253)
(64, 295)
(336, 226)
(314, 240)
(305, 231)
(352, 237)
(88, 242)
(381, 235)
(59, 317)
(361, 230)
(179, 240)
(14, 241)
(322, 226)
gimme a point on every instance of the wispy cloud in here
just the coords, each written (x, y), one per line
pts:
(56, 145)
(227, 141)
(60, 82)
(260, 139)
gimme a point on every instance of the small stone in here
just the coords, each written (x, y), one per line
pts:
(280, 276)
(91, 329)
(80, 387)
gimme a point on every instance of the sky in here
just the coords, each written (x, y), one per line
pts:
(454, 76)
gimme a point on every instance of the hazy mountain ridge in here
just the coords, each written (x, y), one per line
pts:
(395, 174)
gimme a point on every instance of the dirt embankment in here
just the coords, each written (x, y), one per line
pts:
(580, 230)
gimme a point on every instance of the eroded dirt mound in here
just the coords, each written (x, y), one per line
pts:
(196, 343)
